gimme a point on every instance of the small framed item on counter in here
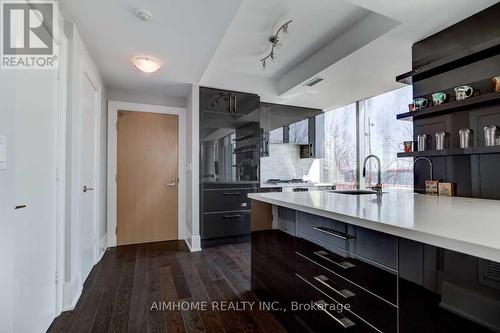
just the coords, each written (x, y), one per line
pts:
(447, 189)
(431, 187)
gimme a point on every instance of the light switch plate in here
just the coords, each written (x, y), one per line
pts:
(3, 152)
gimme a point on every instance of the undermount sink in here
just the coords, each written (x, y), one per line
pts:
(354, 192)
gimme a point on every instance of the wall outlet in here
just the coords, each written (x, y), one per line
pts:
(3, 152)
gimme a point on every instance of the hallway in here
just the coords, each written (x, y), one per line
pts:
(121, 289)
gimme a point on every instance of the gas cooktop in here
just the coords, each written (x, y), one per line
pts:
(287, 181)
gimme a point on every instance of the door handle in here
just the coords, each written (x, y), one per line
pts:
(345, 293)
(334, 233)
(85, 188)
(342, 321)
(343, 264)
(173, 183)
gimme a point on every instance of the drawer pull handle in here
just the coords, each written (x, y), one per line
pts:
(343, 264)
(236, 216)
(232, 193)
(332, 286)
(344, 322)
(334, 233)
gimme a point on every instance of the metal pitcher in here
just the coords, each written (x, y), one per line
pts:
(442, 140)
(423, 142)
(465, 137)
(491, 135)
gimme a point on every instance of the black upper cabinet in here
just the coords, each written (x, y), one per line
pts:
(229, 136)
(295, 125)
(228, 102)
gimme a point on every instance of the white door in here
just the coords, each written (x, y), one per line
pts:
(88, 177)
(35, 192)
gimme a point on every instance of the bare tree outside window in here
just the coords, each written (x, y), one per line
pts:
(384, 136)
(339, 165)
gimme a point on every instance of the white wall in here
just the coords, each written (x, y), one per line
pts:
(7, 112)
(192, 170)
(80, 61)
(145, 98)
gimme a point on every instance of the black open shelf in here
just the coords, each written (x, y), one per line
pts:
(453, 152)
(469, 103)
(483, 51)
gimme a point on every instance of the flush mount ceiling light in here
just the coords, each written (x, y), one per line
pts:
(143, 14)
(146, 64)
(275, 44)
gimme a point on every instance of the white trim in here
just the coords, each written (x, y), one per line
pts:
(61, 172)
(89, 74)
(72, 292)
(113, 107)
(195, 245)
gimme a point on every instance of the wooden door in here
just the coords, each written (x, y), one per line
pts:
(147, 177)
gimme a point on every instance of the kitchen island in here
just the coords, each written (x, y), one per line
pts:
(400, 262)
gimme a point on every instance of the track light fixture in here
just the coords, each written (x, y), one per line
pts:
(275, 44)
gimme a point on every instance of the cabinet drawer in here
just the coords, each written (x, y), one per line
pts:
(327, 231)
(367, 307)
(226, 200)
(330, 234)
(226, 224)
(324, 316)
(370, 276)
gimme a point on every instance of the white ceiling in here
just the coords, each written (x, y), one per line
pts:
(218, 43)
(314, 24)
(183, 35)
(366, 71)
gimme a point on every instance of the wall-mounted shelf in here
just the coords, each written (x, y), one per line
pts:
(469, 56)
(453, 152)
(469, 103)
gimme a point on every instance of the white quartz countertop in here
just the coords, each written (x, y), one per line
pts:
(465, 225)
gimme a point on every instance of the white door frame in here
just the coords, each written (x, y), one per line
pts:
(61, 171)
(113, 107)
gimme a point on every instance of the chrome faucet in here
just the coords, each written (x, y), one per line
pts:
(378, 186)
(426, 159)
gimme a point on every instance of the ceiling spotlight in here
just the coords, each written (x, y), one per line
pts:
(145, 64)
(143, 14)
(275, 43)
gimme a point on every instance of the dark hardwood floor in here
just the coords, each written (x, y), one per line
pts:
(121, 290)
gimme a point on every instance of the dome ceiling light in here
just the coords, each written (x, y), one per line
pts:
(146, 64)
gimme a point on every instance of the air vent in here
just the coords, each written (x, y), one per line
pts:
(313, 82)
(489, 273)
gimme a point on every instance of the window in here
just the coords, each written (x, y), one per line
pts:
(384, 136)
(339, 164)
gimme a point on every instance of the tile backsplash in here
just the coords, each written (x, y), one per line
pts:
(284, 162)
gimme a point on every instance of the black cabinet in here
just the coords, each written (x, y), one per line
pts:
(295, 125)
(335, 276)
(230, 143)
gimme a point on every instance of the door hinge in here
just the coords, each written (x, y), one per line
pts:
(116, 178)
(117, 126)
(56, 278)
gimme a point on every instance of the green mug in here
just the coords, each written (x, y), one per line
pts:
(439, 98)
(420, 103)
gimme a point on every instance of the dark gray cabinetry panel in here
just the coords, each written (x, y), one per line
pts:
(230, 144)
(390, 284)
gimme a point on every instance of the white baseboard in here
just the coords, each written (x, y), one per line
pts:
(103, 246)
(72, 291)
(193, 242)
